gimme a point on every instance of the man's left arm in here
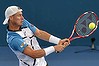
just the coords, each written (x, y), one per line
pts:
(50, 38)
(42, 34)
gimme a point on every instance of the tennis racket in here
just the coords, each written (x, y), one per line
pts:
(81, 27)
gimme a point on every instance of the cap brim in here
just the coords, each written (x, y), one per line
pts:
(6, 21)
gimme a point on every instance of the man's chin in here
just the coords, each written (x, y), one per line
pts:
(20, 25)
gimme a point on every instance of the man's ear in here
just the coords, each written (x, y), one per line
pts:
(11, 18)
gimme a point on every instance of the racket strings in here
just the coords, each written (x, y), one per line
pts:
(81, 29)
(82, 25)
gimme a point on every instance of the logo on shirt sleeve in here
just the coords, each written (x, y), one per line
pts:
(22, 45)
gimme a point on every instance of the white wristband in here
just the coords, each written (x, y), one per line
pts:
(49, 50)
(54, 39)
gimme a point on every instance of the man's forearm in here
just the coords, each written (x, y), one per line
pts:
(43, 35)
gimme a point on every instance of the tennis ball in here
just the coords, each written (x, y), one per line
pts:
(92, 25)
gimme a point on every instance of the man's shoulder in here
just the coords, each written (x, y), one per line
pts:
(11, 36)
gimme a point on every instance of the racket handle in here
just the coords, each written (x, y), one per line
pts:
(58, 51)
(62, 44)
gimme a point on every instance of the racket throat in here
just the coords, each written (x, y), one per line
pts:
(71, 39)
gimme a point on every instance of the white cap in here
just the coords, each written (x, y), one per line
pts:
(9, 12)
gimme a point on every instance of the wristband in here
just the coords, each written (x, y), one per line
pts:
(49, 50)
(54, 39)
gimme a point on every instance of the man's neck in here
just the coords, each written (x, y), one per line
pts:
(14, 28)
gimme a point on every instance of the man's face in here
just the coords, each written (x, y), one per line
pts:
(17, 19)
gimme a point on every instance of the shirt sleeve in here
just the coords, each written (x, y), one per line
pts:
(18, 44)
(31, 26)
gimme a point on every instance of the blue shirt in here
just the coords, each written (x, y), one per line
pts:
(15, 41)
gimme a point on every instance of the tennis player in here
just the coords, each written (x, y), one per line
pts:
(21, 38)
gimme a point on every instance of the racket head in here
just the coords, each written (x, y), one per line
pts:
(81, 27)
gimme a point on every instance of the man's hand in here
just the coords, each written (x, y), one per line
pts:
(59, 48)
(65, 42)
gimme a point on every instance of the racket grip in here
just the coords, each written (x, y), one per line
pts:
(62, 44)
(58, 51)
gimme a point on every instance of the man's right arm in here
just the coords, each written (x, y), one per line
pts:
(42, 52)
(18, 44)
